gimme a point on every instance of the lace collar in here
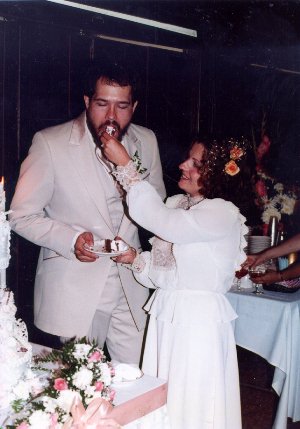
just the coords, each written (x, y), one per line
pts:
(186, 202)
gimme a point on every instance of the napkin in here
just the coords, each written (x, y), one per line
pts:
(125, 372)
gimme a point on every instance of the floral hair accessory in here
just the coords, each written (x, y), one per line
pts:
(237, 150)
(231, 168)
(227, 153)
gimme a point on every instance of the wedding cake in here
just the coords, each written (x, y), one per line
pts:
(15, 350)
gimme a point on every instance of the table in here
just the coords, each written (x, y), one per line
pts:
(140, 404)
(269, 325)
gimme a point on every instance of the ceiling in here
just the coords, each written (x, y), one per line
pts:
(222, 23)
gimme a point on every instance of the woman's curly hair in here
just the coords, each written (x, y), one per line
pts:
(228, 172)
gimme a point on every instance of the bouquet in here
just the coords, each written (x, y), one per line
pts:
(78, 372)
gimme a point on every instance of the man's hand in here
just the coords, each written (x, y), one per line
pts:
(113, 150)
(267, 278)
(81, 253)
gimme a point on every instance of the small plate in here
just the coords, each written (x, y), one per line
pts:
(100, 247)
(124, 383)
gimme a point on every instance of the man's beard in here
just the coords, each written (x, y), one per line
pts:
(96, 132)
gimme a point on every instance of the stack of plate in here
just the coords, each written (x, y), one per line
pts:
(257, 243)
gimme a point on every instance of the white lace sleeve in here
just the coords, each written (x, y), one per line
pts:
(127, 175)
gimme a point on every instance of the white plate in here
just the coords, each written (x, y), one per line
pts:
(117, 248)
(123, 383)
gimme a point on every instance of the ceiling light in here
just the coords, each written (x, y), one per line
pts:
(150, 22)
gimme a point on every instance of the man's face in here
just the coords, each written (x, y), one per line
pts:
(110, 105)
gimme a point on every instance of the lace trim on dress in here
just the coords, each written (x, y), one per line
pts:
(243, 242)
(127, 175)
(162, 255)
(138, 264)
(186, 202)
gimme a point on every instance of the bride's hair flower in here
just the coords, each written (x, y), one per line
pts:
(236, 153)
(231, 168)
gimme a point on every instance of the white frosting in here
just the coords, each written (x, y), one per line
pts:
(15, 351)
(4, 241)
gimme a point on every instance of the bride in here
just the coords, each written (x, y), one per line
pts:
(197, 247)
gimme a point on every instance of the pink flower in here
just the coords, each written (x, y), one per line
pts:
(99, 386)
(261, 188)
(23, 425)
(60, 384)
(112, 395)
(95, 357)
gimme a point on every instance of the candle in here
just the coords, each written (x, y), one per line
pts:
(4, 237)
(2, 195)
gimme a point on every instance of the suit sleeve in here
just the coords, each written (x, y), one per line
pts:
(32, 196)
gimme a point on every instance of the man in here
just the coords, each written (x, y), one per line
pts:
(66, 198)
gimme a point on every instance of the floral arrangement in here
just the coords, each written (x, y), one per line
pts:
(80, 372)
(274, 198)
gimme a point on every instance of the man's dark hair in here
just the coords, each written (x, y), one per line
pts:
(114, 73)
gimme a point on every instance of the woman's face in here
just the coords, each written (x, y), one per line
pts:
(190, 169)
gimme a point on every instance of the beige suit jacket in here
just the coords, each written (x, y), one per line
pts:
(58, 194)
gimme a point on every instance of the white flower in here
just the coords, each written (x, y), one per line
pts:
(49, 403)
(82, 378)
(279, 187)
(66, 398)
(40, 420)
(81, 351)
(288, 205)
(22, 390)
(35, 384)
(270, 211)
(105, 373)
(90, 390)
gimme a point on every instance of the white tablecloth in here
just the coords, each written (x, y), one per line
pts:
(269, 325)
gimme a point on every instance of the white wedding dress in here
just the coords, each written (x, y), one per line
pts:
(190, 339)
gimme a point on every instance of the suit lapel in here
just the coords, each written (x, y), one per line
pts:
(82, 156)
(132, 144)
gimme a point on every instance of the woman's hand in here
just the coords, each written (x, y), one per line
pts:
(253, 260)
(127, 257)
(114, 150)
